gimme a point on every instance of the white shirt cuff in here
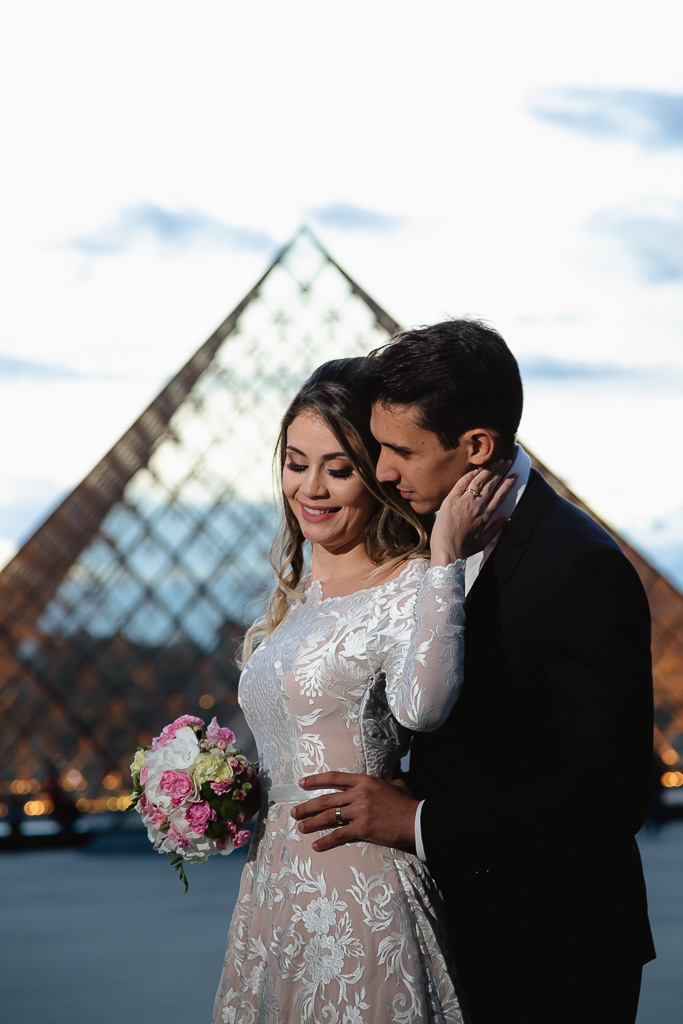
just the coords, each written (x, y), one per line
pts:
(419, 846)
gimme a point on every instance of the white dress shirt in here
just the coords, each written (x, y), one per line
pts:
(473, 566)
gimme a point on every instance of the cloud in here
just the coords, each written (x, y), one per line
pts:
(653, 119)
(549, 368)
(654, 235)
(355, 218)
(179, 231)
(544, 367)
(22, 369)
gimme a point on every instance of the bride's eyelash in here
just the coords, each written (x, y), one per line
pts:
(339, 474)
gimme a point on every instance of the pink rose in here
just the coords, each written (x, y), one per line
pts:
(144, 775)
(176, 837)
(177, 785)
(198, 817)
(220, 787)
(156, 816)
(169, 732)
(241, 837)
(219, 737)
(153, 815)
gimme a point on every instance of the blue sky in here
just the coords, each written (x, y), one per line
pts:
(516, 162)
(172, 230)
(652, 119)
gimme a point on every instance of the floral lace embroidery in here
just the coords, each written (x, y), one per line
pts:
(352, 936)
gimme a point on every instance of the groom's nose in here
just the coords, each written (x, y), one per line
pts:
(386, 471)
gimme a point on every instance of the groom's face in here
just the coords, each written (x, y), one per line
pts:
(413, 458)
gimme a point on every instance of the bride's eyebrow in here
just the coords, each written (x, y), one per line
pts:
(326, 458)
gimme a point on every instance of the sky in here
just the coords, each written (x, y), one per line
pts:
(518, 162)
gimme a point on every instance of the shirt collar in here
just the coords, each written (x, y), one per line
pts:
(522, 467)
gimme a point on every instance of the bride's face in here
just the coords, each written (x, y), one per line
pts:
(327, 496)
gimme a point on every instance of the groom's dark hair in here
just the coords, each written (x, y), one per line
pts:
(459, 374)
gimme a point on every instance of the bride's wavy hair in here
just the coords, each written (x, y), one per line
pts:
(338, 393)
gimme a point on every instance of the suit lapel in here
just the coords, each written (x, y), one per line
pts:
(505, 557)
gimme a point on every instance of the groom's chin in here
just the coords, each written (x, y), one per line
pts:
(423, 506)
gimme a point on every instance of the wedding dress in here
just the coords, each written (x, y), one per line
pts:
(353, 935)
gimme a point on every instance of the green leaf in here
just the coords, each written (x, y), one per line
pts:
(178, 864)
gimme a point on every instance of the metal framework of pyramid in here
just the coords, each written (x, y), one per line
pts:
(124, 609)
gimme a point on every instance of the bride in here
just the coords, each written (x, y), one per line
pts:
(346, 659)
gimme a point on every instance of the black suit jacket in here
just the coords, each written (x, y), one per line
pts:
(538, 781)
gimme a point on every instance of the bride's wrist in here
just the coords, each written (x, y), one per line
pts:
(443, 556)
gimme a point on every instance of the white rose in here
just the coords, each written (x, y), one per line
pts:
(153, 785)
(181, 750)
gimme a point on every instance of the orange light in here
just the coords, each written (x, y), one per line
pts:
(21, 786)
(34, 807)
(206, 701)
(4, 810)
(672, 779)
(670, 756)
(83, 804)
(112, 780)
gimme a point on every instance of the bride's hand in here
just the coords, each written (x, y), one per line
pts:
(466, 521)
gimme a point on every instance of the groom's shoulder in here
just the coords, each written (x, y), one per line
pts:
(566, 546)
(561, 525)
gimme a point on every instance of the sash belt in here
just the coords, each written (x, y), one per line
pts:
(292, 793)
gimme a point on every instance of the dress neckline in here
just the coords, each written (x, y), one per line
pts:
(316, 586)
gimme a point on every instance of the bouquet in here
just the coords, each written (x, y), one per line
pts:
(189, 787)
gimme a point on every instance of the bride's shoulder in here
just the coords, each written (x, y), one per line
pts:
(414, 570)
(408, 576)
(305, 582)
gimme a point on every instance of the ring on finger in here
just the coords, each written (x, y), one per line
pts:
(338, 816)
(471, 490)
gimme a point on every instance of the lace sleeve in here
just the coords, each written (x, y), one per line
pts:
(425, 670)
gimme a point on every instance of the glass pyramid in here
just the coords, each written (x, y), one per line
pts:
(125, 608)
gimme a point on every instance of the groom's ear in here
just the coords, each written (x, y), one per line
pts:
(480, 445)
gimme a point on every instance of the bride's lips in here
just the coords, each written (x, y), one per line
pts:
(313, 514)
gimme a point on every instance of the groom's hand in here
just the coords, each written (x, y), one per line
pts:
(372, 811)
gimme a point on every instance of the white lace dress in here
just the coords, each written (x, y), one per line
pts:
(352, 935)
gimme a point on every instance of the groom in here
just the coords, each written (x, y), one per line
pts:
(525, 802)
